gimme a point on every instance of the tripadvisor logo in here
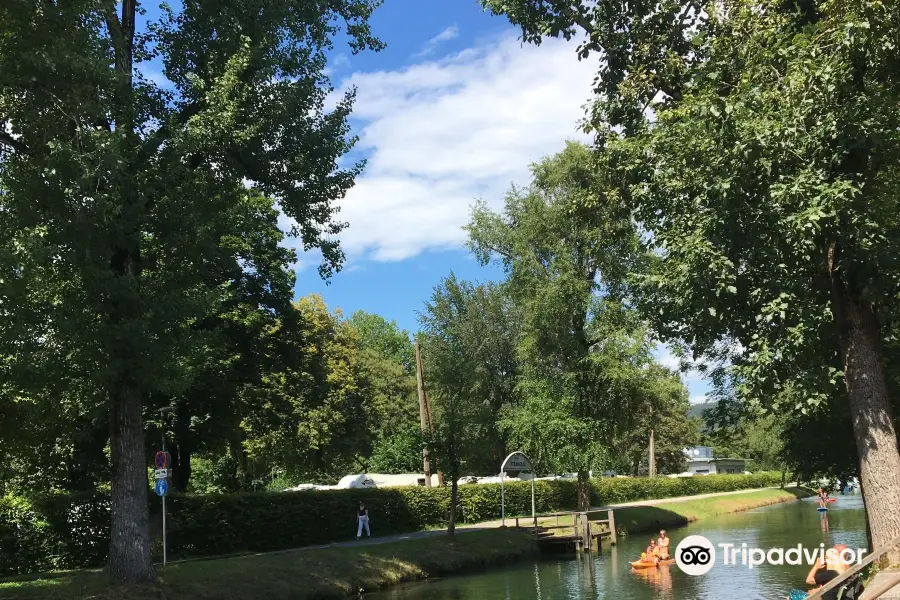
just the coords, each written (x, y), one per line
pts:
(696, 555)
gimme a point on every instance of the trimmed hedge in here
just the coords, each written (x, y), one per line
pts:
(72, 531)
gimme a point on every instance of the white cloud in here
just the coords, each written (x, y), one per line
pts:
(440, 134)
(340, 61)
(665, 357)
(157, 78)
(697, 383)
(431, 45)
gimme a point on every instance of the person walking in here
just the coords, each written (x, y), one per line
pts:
(362, 520)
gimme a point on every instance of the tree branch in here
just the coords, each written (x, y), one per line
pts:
(577, 18)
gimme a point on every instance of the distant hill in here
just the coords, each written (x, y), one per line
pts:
(696, 410)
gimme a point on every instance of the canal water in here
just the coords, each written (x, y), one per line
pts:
(609, 575)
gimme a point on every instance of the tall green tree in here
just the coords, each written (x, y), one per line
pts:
(241, 342)
(455, 375)
(577, 349)
(484, 321)
(663, 409)
(388, 359)
(768, 180)
(115, 192)
(739, 429)
(314, 419)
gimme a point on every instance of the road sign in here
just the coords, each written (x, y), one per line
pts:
(162, 486)
(161, 460)
(517, 462)
(162, 473)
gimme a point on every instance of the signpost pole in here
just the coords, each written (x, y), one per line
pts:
(502, 501)
(162, 484)
(164, 502)
(533, 515)
(523, 465)
(164, 530)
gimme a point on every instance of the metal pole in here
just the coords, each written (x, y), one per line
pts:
(164, 530)
(162, 416)
(533, 515)
(502, 501)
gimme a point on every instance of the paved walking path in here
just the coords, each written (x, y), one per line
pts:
(417, 535)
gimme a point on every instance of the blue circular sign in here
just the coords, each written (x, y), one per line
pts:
(162, 486)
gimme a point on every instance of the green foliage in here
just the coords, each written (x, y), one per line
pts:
(311, 418)
(667, 404)
(582, 352)
(468, 340)
(60, 531)
(63, 532)
(210, 476)
(385, 338)
(387, 361)
(121, 205)
(756, 143)
(398, 452)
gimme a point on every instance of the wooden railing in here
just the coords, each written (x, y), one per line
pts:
(869, 594)
(581, 525)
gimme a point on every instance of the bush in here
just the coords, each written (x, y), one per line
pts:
(60, 531)
(71, 531)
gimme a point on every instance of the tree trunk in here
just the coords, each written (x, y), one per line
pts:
(454, 501)
(869, 544)
(584, 491)
(181, 467)
(783, 477)
(873, 425)
(236, 447)
(129, 543)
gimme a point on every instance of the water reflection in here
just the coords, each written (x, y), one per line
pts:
(610, 576)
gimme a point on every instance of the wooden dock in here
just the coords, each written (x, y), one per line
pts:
(588, 530)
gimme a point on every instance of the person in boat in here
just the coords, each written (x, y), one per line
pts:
(662, 545)
(651, 554)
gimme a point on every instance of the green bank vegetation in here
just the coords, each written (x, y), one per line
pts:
(751, 224)
(639, 519)
(301, 575)
(765, 174)
(72, 531)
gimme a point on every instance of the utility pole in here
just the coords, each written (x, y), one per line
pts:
(424, 419)
(430, 415)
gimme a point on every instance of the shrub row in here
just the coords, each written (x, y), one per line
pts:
(72, 530)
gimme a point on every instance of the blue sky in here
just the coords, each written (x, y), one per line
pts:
(454, 109)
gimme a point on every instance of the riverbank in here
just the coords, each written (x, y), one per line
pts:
(653, 515)
(307, 575)
(661, 515)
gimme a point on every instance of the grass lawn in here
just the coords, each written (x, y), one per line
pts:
(300, 575)
(639, 519)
